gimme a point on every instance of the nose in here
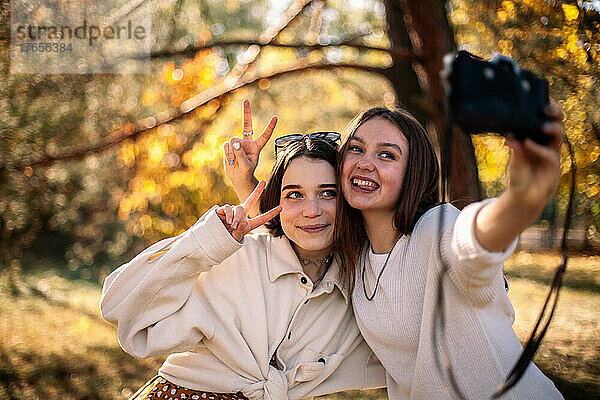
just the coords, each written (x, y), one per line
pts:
(365, 163)
(312, 208)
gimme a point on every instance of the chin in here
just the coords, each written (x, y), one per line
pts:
(358, 203)
(356, 200)
(316, 243)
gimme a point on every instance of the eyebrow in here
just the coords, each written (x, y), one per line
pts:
(380, 144)
(322, 185)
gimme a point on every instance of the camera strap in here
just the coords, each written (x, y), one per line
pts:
(439, 338)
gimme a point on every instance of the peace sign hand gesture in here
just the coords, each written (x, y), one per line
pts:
(236, 219)
(240, 155)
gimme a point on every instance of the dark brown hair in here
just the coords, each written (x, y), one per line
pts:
(419, 191)
(319, 149)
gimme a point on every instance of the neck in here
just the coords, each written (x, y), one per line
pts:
(314, 263)
(380, 230)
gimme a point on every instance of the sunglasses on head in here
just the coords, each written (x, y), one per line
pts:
(286, 140)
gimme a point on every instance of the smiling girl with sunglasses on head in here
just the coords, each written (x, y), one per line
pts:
(388, 234)
(248, 316)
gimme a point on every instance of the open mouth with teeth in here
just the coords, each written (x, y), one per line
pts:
(363, 184)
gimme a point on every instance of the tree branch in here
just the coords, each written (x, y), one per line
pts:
(288, 16)
(253, 52)
(134, 130)
(232, 82)
(399, 52)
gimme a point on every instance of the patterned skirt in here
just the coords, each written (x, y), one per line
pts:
(160, 388)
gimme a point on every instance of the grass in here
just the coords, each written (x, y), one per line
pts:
(570, 352)
(55, 345)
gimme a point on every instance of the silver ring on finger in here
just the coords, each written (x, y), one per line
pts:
(231, 161)
(247, 133)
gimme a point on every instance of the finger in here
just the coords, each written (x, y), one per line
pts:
(242, 230)
(221, 213)
(512, 143)
(538, 152)
(244, 227)
(554, 112)
(254, 196)
(228, 214)
(267, 132)
(247, 117)
(228, 156)
(240, 154)
(517, 155)
(263, 218)
(235, 143)
(239, 214)
(554, 129)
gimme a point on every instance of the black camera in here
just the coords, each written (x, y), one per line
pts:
(495, 96)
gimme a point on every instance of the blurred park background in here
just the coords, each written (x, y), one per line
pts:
(94, 167)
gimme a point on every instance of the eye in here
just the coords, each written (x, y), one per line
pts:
(355, 149)
(329, 194)
(387, 154)
(293, 195)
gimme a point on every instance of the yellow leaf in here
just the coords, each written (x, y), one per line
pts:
(502, 16)
(571, 11)
(508, 5)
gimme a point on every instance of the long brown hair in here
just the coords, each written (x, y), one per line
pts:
(419, 191)
(315, 148)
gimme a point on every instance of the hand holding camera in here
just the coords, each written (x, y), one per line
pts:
(534, 169)
(498, 96)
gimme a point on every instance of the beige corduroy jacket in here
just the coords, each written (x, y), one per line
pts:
(221, 309)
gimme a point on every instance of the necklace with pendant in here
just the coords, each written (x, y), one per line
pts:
(316, 262)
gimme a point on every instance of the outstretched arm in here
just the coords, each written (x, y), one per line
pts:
(534, 173)
(150, 299)
(240, 156)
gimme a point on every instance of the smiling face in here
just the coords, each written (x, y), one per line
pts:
(374, 166)
(308, 201)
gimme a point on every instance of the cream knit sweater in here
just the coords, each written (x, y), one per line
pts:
(397, 323)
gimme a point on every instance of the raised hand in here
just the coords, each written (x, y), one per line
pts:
(534, 173)
(534, 170)
(236, 219)
(240, 155)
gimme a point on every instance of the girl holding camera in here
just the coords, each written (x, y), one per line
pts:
(388, 235)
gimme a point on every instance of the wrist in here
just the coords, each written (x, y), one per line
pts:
(531, 197)
(244, 183)
(243, 187)
(521, 206)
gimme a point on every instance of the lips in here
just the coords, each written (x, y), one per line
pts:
(364, 184)
(315, 228)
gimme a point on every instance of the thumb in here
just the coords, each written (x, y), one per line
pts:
(242, 230)
(240, 154)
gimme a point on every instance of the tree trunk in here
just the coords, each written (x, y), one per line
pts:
(409, 94)
(422, 25)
